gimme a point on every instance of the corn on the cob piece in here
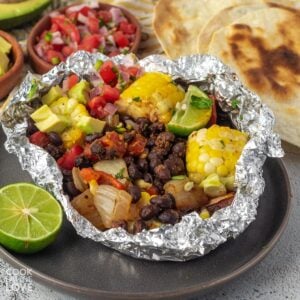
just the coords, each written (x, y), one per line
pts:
(214, 151)
(154, 96)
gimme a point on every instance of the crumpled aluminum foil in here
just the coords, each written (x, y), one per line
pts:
(192, 237)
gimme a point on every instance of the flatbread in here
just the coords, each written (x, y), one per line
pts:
(229, 15)
(177, 23)
(263, 47)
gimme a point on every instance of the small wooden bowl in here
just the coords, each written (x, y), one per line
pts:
(41, 66)
(11, 78)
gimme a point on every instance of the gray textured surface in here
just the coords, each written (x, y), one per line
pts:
(276, 277)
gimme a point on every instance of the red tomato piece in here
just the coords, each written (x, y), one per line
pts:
(121, 39)
(72, 80)
(67, 161)
(133, 71)
(53, 55)
(90, 42)
(105, 16)
(67, 51)
(152, 190)
(137, 146)
(39, 138)
(73, 16)
(93, 24)
(85, 10)
(96, 102)
(114, 141)
(114, 53)
(110, 94)
(54, 28)
(127, 28)
(107, 73)
(67, 27)
(57, 48)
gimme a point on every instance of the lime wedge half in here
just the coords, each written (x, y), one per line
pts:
(30, 218)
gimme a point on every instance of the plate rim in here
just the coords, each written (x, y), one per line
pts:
(191, 290)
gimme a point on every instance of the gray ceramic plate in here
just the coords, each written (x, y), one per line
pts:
(82, 267)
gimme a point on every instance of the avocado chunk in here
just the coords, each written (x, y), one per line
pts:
(212, 186)
(4, 62)
(54, 123)
(15, 14)
(80, 91)
(78, 112)
(54, 93)
(46, 120)
(90, 125)
(5, 46)
(193, 113)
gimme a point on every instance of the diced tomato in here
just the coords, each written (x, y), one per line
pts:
(89, 174)
(54, 28)
(107, 73)
(137, 146)
(67, 27)
(121, 39)
(114, 53)
(67, 161)
(57, 48)
(152, 190)
(67, 51)
(105, 16)
(93, 24)
(72, 80)
(127, 28)
(85, 10)
(73, 16)
(110, 94)
(52, 54)
(39, 138)
(133, 71)
(96, 102)
(113, 141)
(90, 42)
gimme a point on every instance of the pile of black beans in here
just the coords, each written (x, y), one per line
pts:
(163, 156)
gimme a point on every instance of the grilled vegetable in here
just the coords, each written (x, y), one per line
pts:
(112, 204)
(153, 96)
(214, 151)
(84, 204)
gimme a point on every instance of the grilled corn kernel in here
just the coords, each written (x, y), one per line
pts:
(71, 137)
(93, 187)
(214, 151)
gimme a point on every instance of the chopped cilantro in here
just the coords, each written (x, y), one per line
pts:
(178, 177)
(241, 117)
(120, 174)
(201, 102)
(235, 103)
(137, 99)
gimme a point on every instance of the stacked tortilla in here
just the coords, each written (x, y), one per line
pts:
(259, 39)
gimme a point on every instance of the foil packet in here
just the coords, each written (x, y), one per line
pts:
(192, 237)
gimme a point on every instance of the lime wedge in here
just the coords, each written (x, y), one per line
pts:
(30, 218)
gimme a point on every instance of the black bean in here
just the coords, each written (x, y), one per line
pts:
(129, 136)
(128, 160)
(164, 201)
(179, 149)
(156, 127)
(153, 155)
(163, 138)
(70, 189)
(31, 128)
(143, 126)
(82, 162)
(135, 193)
(98, 149)
(139, 225)
(54, 151)
(67, 174)
(154, 163)
(142, 164)
(147, 212)
(157, 210)
(175, 164)
(162, 173)
(148, 178)
(169, 216)
(92, 137)
(55, 138)
(134, 172)
(151, 141)
(122, 223)
(158, 184)
(110, 154)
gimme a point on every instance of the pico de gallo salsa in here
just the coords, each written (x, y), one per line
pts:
(86, 27)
